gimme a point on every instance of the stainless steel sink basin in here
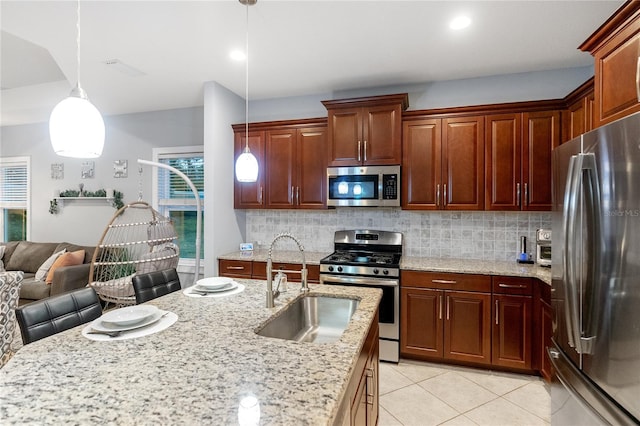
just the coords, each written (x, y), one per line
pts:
(317, 319)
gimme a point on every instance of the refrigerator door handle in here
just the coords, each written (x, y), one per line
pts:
(570, 211)
(591, 283)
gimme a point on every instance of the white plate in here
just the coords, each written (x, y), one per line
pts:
(213, 283)
(99, 325)
(130, 315)
(227, 287)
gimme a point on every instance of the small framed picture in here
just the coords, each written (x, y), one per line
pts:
(120, 168)
(57, 171)
(87, 170)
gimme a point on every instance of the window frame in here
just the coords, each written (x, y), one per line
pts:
(18, 160)
(185, 264)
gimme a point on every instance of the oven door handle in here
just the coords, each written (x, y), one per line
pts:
(340, 279)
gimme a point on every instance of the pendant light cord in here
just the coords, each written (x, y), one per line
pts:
(78, 43)
(246, 85)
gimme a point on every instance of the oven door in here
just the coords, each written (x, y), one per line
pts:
(389, 321)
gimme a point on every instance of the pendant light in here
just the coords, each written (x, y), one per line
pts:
(247, 164)
(76, 127)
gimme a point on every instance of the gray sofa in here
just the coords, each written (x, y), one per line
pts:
(27, 256)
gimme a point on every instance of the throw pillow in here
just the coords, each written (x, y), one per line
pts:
(67, 259)
(41, 273)
(2, 248)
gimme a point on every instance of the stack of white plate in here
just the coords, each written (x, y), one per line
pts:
(215, 285)
(128, 318)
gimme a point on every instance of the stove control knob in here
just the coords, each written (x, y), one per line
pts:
(330, 268)
(386, 272)
(376, 271)
(339, 268)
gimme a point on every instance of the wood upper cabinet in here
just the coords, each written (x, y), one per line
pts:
(292, 165)
(248, 195)
(615, 47)
(365, 131)
(578, 117)
(296, 168)
(518, 159)
(443, 164)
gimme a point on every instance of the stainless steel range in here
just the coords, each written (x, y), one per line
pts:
(366, 258)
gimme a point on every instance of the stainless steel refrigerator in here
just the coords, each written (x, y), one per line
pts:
(596, 277)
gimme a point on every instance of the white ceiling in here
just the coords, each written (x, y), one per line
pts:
(297, 48)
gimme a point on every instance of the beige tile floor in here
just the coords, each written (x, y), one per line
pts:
(416, 393)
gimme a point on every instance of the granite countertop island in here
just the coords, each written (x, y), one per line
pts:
(194, 372)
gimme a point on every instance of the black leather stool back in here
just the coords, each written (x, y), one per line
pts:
(54, 314)
(155, 284)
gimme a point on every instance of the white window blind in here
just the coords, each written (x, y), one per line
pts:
(14, 184)
(172, 189)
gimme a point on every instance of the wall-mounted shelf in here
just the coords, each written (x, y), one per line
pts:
(62, 200)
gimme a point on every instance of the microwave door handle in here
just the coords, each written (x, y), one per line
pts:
(569, 220)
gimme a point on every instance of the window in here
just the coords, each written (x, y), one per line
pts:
(174, 198)
(14, 198)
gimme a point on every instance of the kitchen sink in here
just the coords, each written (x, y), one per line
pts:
(317, 319)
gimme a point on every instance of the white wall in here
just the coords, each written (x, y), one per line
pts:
(128, 137)
(224, 227)
(540, 85)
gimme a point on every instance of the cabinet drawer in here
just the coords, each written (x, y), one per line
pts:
(235, 268)
(513, 285)
(446, 281)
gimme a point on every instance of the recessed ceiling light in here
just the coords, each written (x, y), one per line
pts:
(238, 55)
(460, 22)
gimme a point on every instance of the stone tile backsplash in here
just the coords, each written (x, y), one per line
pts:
(441, 235)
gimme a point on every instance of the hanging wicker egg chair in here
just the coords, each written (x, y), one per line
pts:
(137, 240)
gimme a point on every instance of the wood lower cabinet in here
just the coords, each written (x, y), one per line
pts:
(512, 322)
(443, 164)
(439, 323)
(235, 268)
(360, 406)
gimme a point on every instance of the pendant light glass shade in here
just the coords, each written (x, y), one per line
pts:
(247, 167)
(76, 127)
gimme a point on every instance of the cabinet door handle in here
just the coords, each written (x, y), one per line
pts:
(444, 281)
(526, 194)
(444, 193)
(497, 316)
(365, 150)
(371, 373)
(503, 285)
(438, 195)
(298, 195)
(518, 194)
(235, 268)
(359, 149)
(260, 198)
(447, 308)
(440, 299)
(638, 78)
(293, 195)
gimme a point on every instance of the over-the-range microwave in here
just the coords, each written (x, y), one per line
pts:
(363, 186)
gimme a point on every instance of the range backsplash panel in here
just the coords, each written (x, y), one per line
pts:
(441, 235)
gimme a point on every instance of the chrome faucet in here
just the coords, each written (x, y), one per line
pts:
(273, 294)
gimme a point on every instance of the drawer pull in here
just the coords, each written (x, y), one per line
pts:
(503, 285)
(444, 281)
(235, 268)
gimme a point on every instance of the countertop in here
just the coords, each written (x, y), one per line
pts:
(464, 266)
(194, 372)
